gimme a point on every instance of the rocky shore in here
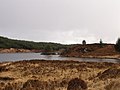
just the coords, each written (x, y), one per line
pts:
(13, 50)
(59, 75)
(103, 57)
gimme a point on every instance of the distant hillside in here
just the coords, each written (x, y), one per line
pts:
(21, 44)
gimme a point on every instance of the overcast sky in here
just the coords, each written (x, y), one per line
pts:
(61, 21)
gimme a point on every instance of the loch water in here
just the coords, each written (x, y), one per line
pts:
(4, 57)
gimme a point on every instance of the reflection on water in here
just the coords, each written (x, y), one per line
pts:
(29, 56)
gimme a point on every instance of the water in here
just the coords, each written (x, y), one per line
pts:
(30, 56)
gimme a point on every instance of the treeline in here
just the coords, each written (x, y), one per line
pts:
(21, 44)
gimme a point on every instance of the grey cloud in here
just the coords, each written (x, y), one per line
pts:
(65, 21)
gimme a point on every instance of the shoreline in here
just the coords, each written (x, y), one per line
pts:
(104, 57)
(14, 50)
(97, 57)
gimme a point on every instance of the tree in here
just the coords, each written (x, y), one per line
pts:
(101, 43)
(117, 45)
(84, 42)
(48, 48)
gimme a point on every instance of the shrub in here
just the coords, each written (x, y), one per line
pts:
(117, 45)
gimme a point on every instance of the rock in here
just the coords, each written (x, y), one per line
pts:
(77, 84)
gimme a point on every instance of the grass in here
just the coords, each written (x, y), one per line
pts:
(56, 75)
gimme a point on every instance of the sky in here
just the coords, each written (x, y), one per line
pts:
(61, 21)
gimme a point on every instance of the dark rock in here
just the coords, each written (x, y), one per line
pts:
(77, 84)
(48, 53)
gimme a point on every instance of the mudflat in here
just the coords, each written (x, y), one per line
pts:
(56, 75)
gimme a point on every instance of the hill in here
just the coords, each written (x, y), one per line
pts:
(92, 50)
(6, 43)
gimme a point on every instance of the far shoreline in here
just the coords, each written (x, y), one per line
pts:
(97, 57)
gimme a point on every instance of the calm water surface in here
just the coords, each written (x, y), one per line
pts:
(30, 56)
